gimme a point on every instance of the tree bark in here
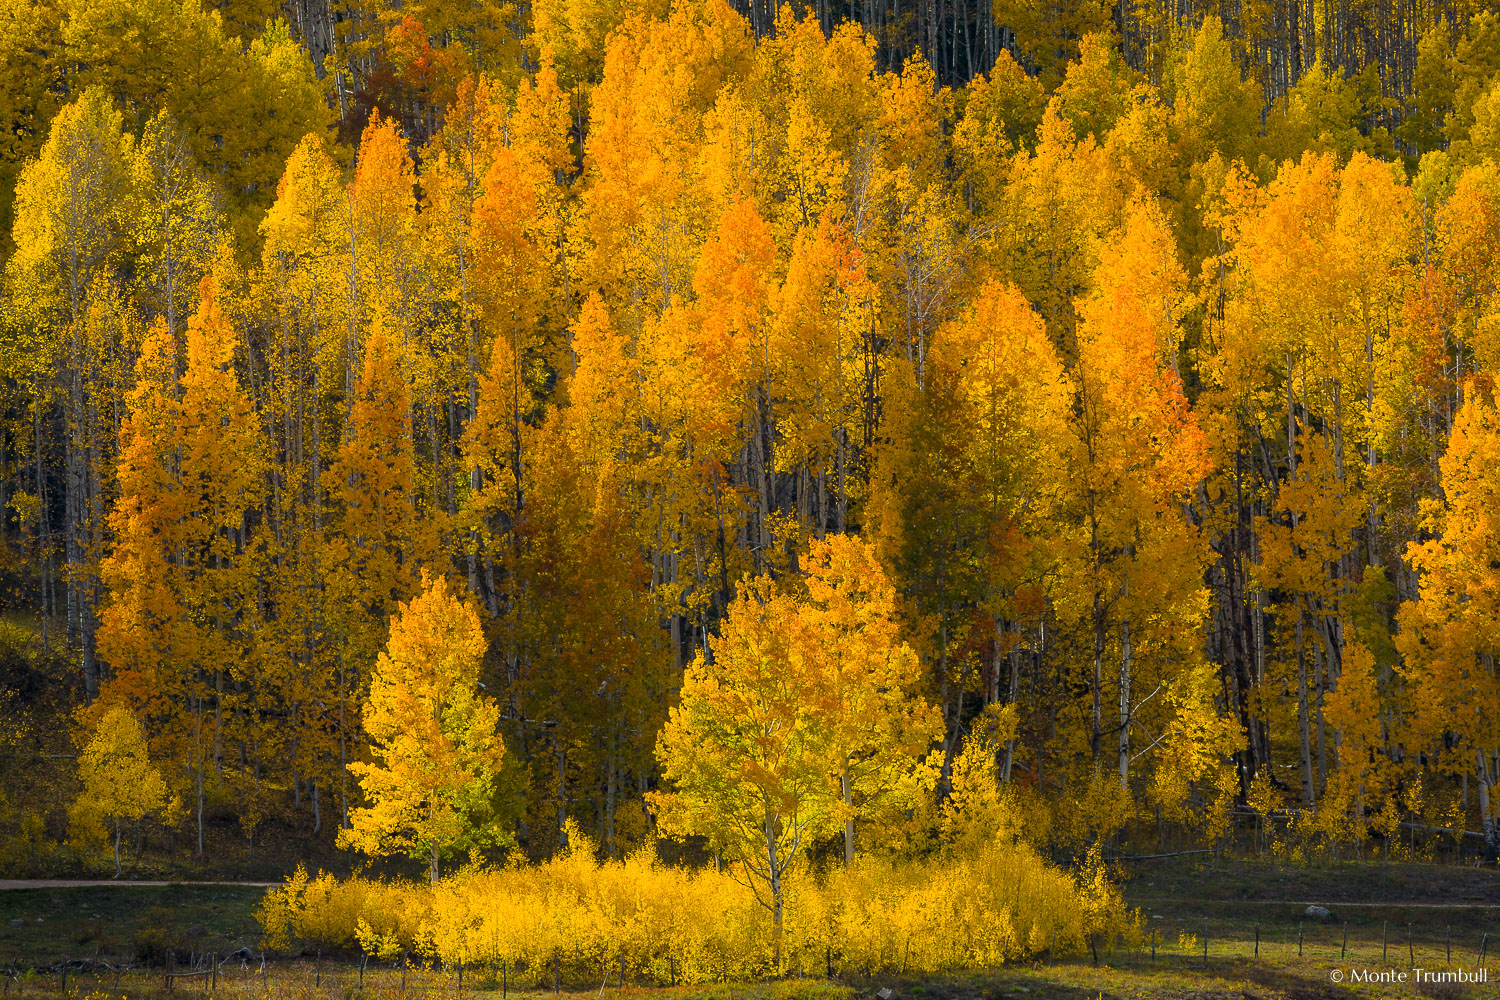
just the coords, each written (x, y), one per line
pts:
(1126, 668)
(845, 787)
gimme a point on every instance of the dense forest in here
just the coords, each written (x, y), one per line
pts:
(1107, 389)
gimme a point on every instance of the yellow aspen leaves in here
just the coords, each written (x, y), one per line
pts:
(435, 749)
(120, 784)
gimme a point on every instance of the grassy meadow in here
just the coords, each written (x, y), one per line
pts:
(1250, 914)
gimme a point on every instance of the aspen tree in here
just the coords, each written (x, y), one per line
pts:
(847, 632)
(1448, 632)
(120, 783)
(174, 629)
(745, 753)
(379, 541)
(301, 288)
(73, 208)
(435, 748)
(1141, 452)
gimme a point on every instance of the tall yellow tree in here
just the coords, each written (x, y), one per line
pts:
(1142, 452)
(436, 751)
(1450, 633)
(745, 753)
(73, 215)
(848, 635)
(381, 539)
(177, 628)
(120, 784)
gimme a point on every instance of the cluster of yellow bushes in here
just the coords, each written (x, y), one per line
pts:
(578, 917)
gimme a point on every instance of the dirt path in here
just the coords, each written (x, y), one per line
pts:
(1330, 903)
(62, 883)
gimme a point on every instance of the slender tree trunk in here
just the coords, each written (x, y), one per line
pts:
(1015, 693)
(773, 871)
(562, 797)
(1488, 823)
(1125, 707)
(44, 529)
(847, 789)
(1304, 731)
(1096, 716)
(200, 756)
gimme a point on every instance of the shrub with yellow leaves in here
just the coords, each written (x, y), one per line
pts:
(984, 906)
(382, 918)
(977, 905)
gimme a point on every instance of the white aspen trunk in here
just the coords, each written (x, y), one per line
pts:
(1015, 693)
(773, 871)
(1487, 822)
(200, 777)
(848, 791)
(1125, 708)
(1096, 723)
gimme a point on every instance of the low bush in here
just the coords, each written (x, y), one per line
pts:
(576, 916)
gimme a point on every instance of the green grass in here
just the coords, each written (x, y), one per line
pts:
(1391, 914)
(1411, 908)
(1251, 879)
(1119, 977)
(45, 926)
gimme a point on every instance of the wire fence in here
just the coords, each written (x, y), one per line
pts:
(1362, 947)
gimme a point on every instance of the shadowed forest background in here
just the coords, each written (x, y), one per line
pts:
(450, 429)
